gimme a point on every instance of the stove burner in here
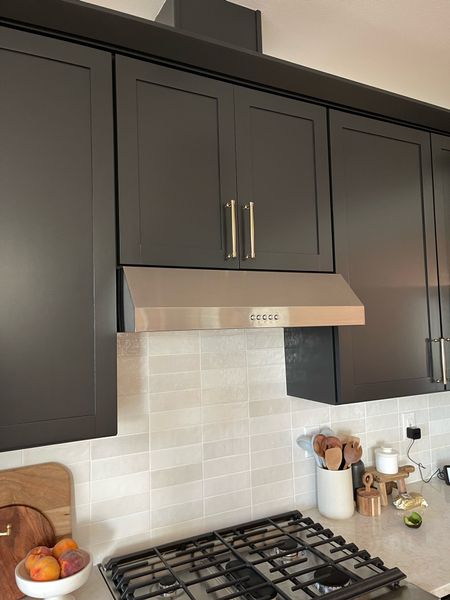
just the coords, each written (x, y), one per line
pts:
(247, 578)
(165, 583)
(331, 579)
(288, 545)
(246, 562)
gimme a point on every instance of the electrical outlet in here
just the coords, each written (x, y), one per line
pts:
(408, 420)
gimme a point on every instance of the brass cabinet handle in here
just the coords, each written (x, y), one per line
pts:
(251, 208)
(7, 532)
(441, 341)
(232, 206)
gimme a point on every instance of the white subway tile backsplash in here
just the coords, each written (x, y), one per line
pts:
(174, 363)
(171, 382)
(176, 475)
(226, 430)
(119, 465)
(118, 507)
(171, 515)
(119, 446)
(174, 342)
(175, 419)
(169, 401)
(123, 485)
(177, 494)
(224, 448)
(65, 453)
(207, 438)
(226, 502)
(226, 484)
(173, 457)
(218, 413)
(227, 465)
(268, 475)
(11, 460)
(174, 438)
(273, 490)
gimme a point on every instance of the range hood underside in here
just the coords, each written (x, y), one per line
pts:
(158, 299)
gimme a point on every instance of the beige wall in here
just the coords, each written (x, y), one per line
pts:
(398, 45)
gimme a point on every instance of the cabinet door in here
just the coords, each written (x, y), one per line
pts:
(176, 167)
(385, 248)
(441, 167)
(282, 167)
(57, 249)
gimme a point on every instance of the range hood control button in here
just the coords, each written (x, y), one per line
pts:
(270, 317)
(252, 317)
(258, 317)
(264, 317)
(276, 317)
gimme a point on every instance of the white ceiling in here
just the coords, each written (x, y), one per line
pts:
(399, 45)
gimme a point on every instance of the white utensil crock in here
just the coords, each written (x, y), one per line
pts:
(335, 493)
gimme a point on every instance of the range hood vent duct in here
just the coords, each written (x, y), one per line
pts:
(160, 299)
(217, 19)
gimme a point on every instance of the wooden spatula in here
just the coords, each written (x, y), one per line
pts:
(333, 458)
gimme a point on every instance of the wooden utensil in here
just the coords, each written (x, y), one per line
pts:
(27, 528)
(352, 454)
(333, 458)
(368, 499)
(46, 487)
(330, 441)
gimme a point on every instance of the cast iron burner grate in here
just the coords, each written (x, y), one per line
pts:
(285, 556)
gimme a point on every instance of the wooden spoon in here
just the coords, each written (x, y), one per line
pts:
(333, 458)
(352, 454)
(330, 442)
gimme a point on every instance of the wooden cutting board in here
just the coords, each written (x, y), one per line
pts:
(46, 487)
(28, 528)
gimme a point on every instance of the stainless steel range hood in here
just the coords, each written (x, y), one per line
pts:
(158, 299)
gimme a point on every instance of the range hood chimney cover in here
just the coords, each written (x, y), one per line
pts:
(159, 299)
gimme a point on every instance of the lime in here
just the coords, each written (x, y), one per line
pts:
(413, 520)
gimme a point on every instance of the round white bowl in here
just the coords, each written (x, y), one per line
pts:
(60, 589)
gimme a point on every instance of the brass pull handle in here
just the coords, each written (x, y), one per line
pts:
(441, 341)
(443, 361)
(251, 208)
(7, 532)
(232, 206)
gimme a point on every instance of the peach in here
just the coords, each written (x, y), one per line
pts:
(73, 561)
(34, 554)
(46, 568)
(64, 545)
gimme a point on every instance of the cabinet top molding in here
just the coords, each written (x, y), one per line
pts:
(126, 34)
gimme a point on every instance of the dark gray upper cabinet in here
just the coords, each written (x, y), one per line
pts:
(57, 246)
(441, 169)
(184, 141)
(385, 248)
(282, 168)
(176, 167)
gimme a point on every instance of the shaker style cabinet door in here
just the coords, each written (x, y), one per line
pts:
(283, 183)
(385, 249)
(441, 168)
(57, 245)
(176, 168)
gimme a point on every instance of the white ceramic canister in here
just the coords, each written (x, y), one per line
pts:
(335, 493)
(386, 460)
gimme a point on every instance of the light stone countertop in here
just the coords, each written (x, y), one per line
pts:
(422, 554)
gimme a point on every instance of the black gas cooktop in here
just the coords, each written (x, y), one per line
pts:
(287, 556)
